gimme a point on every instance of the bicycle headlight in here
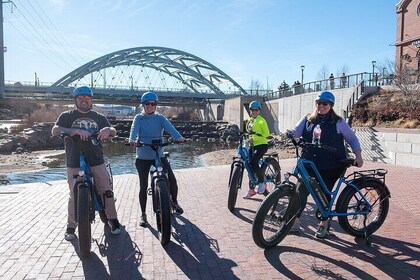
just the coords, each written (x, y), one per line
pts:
(81, 173)
(160, 169)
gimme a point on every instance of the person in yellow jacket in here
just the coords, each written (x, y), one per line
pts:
(257, 127)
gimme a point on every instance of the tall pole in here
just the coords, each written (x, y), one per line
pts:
(373, 72)
(302, 67)
(1, 52)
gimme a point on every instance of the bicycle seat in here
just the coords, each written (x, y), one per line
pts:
(347, 162)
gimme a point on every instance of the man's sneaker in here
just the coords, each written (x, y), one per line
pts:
(250, 194)
(323, 229)
(143, 220)
(69, 235)
(296, 226)
(177, 209)
(115, 226)
(261, 188)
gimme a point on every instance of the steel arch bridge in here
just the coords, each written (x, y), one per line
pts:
(160, 69)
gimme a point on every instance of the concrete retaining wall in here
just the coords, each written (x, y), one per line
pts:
(291, 109)
(402, 146)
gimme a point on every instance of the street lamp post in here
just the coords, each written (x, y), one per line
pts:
(383, 75)
(302, 67)
(373, 71)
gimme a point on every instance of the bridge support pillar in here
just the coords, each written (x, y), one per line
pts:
(236, 109)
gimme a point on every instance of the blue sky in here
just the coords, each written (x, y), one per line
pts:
(264, 40)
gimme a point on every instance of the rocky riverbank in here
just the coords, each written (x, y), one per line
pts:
(34, 148)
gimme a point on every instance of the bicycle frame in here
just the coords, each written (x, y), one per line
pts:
(85, 177)
(244, 159)
(300, 171)
(158, 173)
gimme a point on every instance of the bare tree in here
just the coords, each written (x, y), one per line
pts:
(323, 73)
(340, 70)
(405, 80)
(256, 86)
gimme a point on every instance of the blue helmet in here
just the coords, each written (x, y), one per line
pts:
(149, 96)
(326, 96)
(84, 90)
(255, 104)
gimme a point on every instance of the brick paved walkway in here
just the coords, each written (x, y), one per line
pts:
(208, 241)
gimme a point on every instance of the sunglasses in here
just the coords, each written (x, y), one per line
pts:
(322, 103)
(84, 97)
(150, 103)
(255, 109)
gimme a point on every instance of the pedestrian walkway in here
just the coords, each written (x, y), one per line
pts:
(208, 241)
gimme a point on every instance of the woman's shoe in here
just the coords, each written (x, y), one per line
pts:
(250, 194)
(323, 229)
(143, 220)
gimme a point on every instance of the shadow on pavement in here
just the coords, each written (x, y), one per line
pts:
(123, 255)
(384, 253)
(323, 266)
(195, 253)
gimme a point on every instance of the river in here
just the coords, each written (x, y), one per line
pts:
(122, 161)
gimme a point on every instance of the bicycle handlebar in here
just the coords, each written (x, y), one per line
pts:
(93, 137)
(155, 145)
(304, 144)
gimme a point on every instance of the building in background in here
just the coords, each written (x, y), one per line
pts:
(408, 39)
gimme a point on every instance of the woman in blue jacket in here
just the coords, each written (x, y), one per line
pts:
(146, 127)
(334, 131)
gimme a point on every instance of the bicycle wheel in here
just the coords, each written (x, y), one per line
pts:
(275, 217)
(351, 201)
(83, 221)
(163, 212)
(272, 173)
(234, 185)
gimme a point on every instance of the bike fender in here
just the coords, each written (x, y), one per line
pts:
(359, 182)
(271, 156)
(235, 162)
(287, 186)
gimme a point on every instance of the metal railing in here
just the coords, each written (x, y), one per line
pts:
(346, 81)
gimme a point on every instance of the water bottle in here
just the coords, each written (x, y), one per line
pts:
(316, 135)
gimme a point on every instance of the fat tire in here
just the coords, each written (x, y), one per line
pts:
(376, 194)
(234, 185)
(281, 196)
(84, 204)
(268, 172)
(163, 212)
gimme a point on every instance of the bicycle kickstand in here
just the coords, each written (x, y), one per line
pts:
(367, 237)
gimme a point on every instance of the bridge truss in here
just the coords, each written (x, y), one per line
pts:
(153, 68)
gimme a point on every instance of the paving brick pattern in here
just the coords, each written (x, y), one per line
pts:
(208, 241)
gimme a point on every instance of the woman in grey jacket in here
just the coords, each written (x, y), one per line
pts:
(146, 127)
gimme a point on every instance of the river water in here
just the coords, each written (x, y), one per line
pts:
(122, 161)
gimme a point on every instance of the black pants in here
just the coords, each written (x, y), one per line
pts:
(329, 176)
(257, 153)
(143, 168)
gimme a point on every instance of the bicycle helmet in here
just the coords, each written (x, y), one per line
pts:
(83, 90)
(149, 96)
(255, 104)
(326, 96)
